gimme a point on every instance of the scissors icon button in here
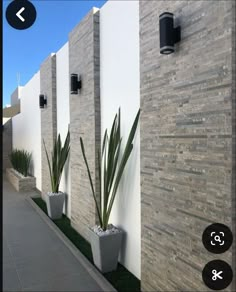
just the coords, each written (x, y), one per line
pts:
(216, 275)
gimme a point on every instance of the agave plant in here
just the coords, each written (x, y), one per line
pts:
(20, 160)
(58, 159)
(111, 164)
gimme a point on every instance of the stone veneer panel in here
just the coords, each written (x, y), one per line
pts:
(6, 144)
(19, 182)
(48, 115)
(187, 141)
(233, 93)
(84, 119)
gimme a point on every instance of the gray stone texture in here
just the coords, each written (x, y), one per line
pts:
(20, 183)
(187, 141)
(48, 116)
(233, 178)
(84, 119)
(6, 144)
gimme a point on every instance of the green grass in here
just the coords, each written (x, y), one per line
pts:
(121, 279)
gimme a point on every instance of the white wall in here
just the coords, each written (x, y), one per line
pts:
(26, 126)
(16, 95)
(119, 53)
(63, 115)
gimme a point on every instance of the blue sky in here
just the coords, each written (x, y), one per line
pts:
(25, 50)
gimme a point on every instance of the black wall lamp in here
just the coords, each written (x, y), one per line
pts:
(169, 35)
(42, 100)
(75, 83)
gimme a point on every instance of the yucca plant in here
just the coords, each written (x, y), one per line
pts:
(20, 160)
(111, 164)
(58, 159)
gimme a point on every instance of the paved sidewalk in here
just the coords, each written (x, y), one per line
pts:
(34, 257)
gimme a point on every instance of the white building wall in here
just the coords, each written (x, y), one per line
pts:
(63, 115)
(26, 126)
(16, 95)
(119, 69)
(119, 57)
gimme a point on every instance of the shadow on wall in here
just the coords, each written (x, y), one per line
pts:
(124, 200)
(66, 187)
(122, 255)
(31, 167)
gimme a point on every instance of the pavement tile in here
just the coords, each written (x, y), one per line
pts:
(34, 257)
(11, 280)
(76, 282)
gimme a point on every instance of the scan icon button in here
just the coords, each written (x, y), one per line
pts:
(217, 238)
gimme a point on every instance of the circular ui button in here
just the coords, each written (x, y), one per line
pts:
(21, 14)
(217, 238)
(217, 275)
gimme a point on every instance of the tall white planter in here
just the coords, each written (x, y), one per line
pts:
(55, 204)
(105, 249)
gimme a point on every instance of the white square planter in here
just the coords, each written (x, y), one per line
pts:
(20, 182)
(55, 205)
(105, 250)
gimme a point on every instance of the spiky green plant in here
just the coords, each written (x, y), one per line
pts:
(20, 160)
(111, 166)
(58, 159)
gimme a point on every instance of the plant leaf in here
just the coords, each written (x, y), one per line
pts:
(90, 179)
(126, 154)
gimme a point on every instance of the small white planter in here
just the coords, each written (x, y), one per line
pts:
(106, 247)
(20, 183)
(55, 202)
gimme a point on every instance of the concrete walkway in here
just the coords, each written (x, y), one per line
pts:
(34, 256)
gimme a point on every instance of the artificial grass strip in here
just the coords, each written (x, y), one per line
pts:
(121, 279)
(64, 224)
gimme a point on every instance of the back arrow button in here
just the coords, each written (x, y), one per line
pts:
(21, 14)
(18, 14)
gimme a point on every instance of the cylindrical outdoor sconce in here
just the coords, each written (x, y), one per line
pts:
(42, 100)
(75, 83)
(169, 35)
